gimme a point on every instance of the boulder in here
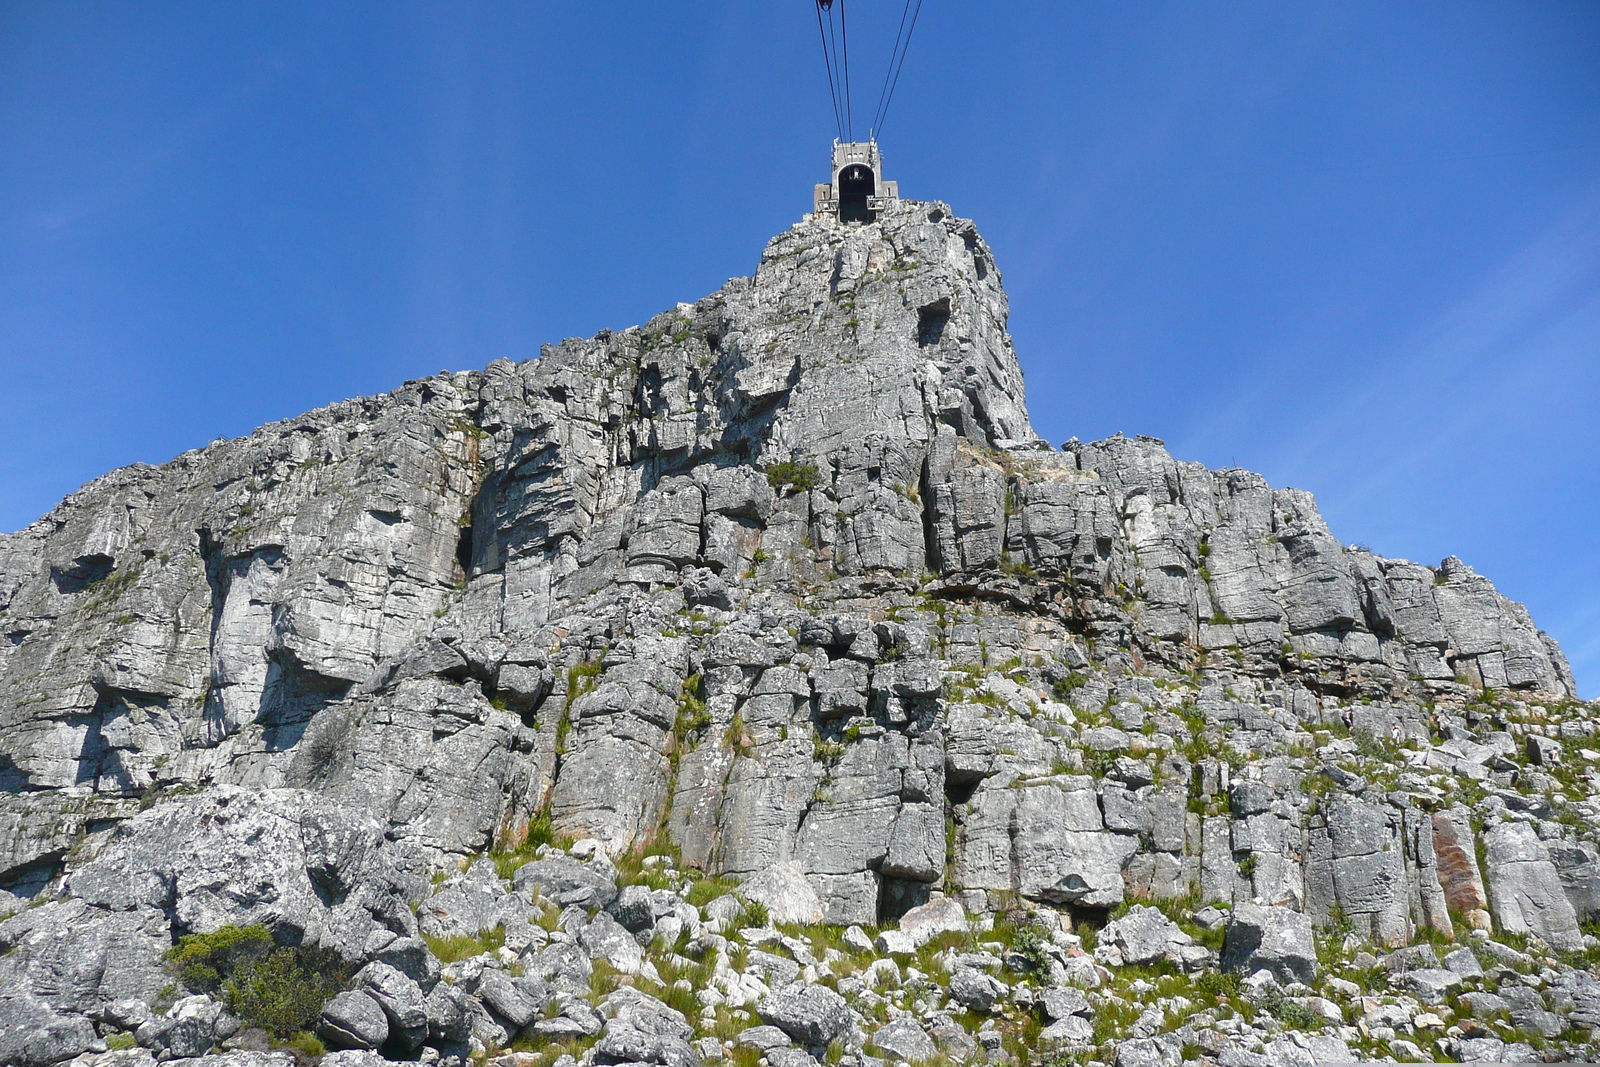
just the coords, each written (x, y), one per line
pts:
(641, 1029)
(1431, 984)
(1272, 938)
(954, 1041)
(401, 999)
(938, 916)
(353, 1020)
(976, 991)
(467, 904)
(517, 1000)
(1144, 934)
(1072, 1030)
(1059, 1004)
(1463, 962)
(635, 910)
(566, 881)
(1544, 751)
(447, 1011)
(606, 939)
(811, 1015)
(904, 1039)
(563, 966)
(765, 1038)
(788, 897)
(191, 1027)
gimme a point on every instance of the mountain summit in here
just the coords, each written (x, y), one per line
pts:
(783, 589)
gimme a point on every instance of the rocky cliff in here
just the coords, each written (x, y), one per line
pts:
(780, 589)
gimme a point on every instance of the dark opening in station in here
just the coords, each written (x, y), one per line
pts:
(856, 183)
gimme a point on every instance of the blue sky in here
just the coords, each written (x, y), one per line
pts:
(1354, 246)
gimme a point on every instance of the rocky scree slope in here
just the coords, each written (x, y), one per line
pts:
(782, 584)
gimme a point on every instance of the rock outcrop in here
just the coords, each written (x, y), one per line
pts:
(782, 583)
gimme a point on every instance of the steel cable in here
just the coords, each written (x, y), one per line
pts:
(895, 67)
(827, 62)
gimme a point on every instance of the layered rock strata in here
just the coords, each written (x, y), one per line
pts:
(783, 579)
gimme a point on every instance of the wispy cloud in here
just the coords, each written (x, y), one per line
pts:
(1522, 341)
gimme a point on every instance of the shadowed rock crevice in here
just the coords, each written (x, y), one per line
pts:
(292, 696)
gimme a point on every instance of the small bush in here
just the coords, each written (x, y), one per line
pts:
(279, 988)
(1063, 687)
(756, 913)
(120, 1042)
(203, 961)
(1029, 941)
(799, 477)
(285, 992)
(1212, 985)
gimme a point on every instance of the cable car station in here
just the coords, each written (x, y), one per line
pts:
(857, 192)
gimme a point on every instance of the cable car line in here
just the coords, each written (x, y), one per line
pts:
(827, 60)
(835, 37)
(896, 65)
(849, 114)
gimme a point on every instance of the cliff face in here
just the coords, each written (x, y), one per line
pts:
(782, 577)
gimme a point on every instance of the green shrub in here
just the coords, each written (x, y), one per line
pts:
(799, 477)
(1028, 940)
(279, 988)
(120, 1042)
(1212, 985)
(203, 961)
(755, 914)
(1063, 687)
(285, 992)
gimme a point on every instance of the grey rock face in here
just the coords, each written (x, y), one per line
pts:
(785, 578)
(32, 1035)
(78, 957)
(237, 856)
(1525, 888)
